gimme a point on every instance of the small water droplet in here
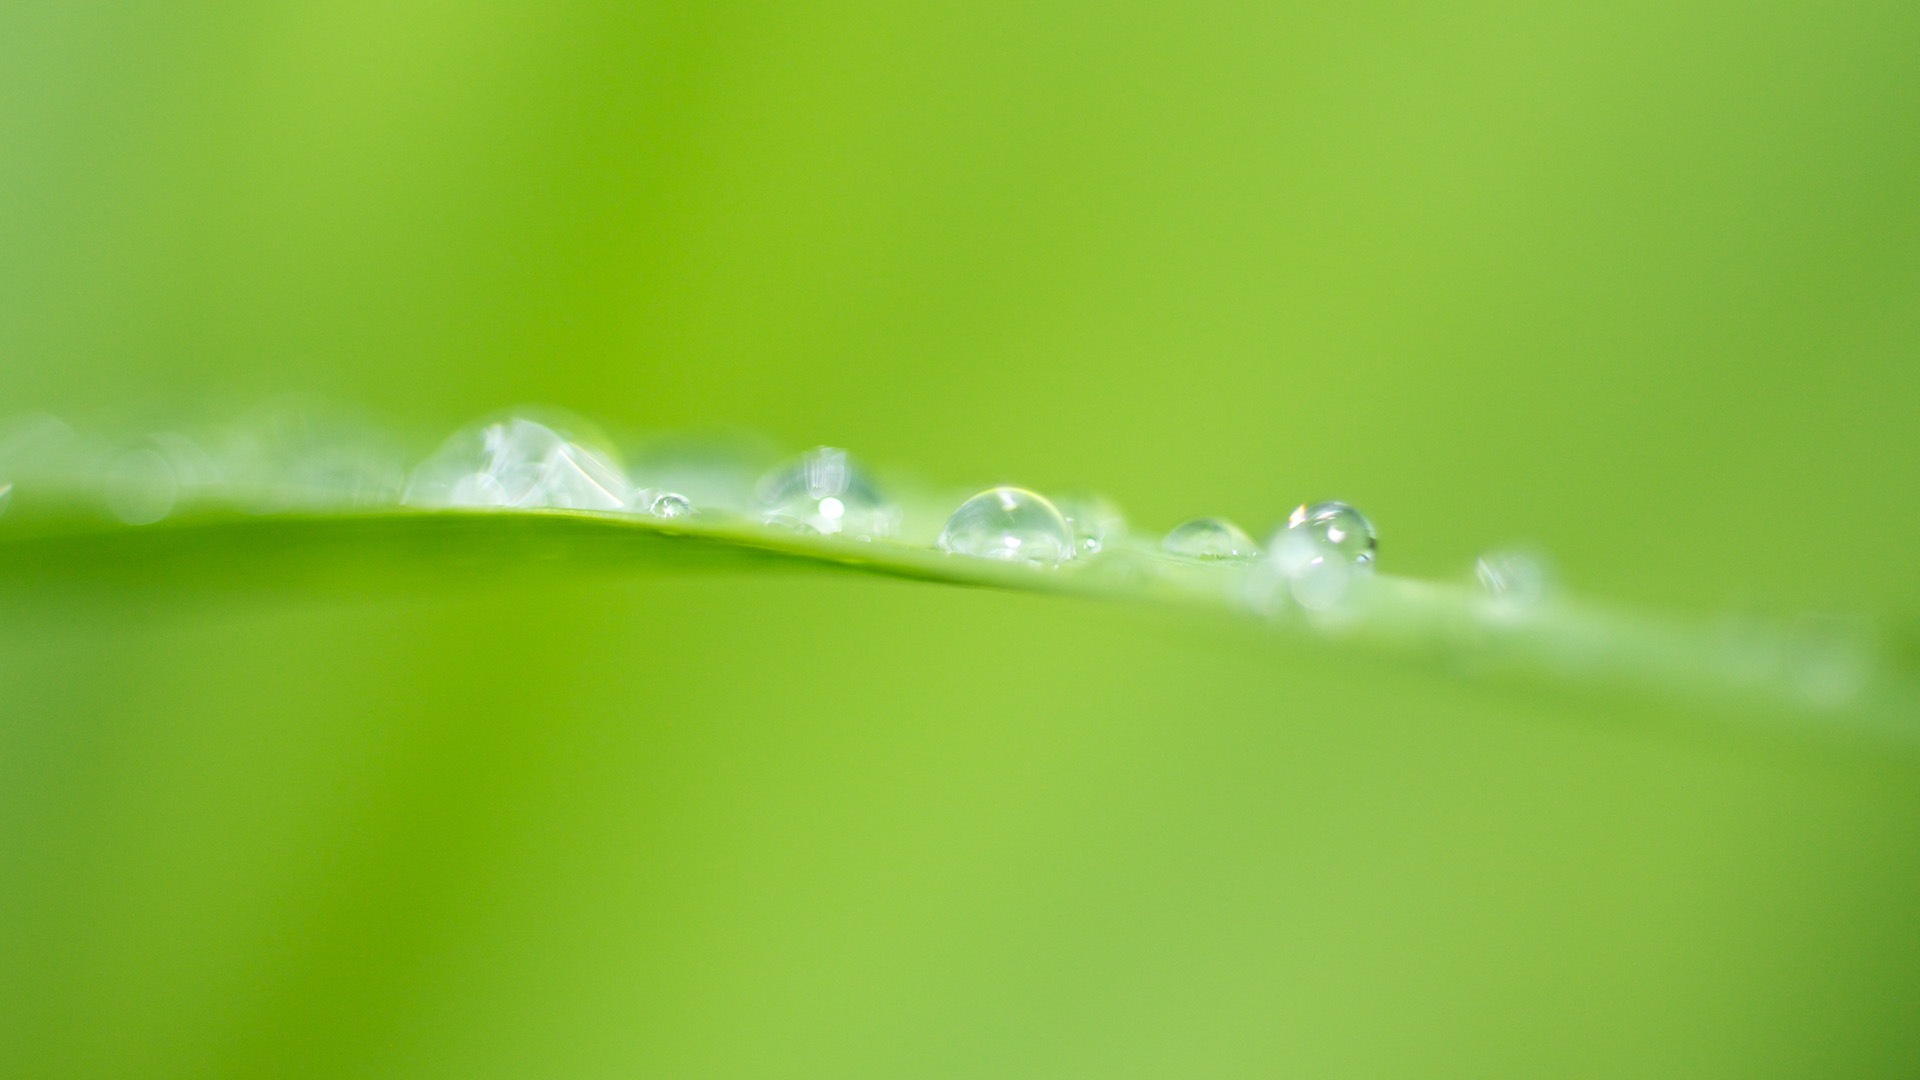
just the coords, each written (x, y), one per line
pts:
(670, 505)
(1210, 538)
(1334, 528)
(1514, 579)
(523, 464)
(1096, 522)
(828, 492)
(1010, 524)
(6, 496)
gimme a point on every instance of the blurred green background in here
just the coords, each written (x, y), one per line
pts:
(1638, 284)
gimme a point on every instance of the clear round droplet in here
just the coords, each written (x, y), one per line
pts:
(670, 505)
(1096, 522)
(826, 491)
(521, 464)
(1012, 525)
(1319, 552)
(1210, 538)
(1335, 529)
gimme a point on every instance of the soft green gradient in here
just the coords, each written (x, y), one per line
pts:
(1640, 284)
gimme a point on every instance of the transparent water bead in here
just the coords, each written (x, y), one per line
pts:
(669, 505)
(1210, 538)
(520, 463)
(1319, 552)
(1335, 529)
(828, 492)
(1096, 522)
(1010, 524)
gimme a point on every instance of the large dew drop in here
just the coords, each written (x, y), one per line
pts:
(828, 492)
(1319, 551)
(519, 463)
(1335, 529)
(1210, 538)
(1010, 524)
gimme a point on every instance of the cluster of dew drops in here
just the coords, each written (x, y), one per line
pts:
(542, 459)
(521, 463)
(1318, 560)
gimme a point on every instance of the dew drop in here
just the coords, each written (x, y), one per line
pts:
(520, 463)
(1010, 524)
(826, 491)
(670, 505)
(1319, 551)
(1335, 529)
(1210, 538)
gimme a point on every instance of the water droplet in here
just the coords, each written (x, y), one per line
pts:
(1011, 524)
(1335, 529)
(1316, 555)
(142, 486)
(1096, 522)
(828, 492)
(1514, 579)
(520, 463)
(1210, 538)
(670, 505)
(6, 496)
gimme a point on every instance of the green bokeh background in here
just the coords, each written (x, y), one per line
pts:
(1639, 284)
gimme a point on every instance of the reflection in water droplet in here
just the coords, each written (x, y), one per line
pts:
(142, 486)
(1096, 522)
(670, 505)
(523, 464)
(1210, 538)
(828, 492)
(1336, 529)
(1011, 524)
(1515, 579)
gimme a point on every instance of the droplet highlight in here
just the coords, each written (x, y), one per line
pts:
(1210, 538)
(826, 491)
(1009, 524)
